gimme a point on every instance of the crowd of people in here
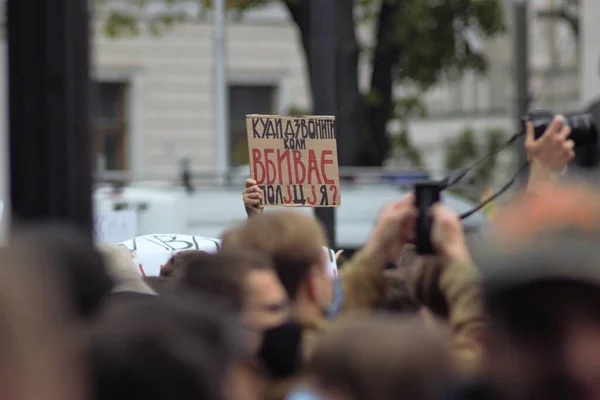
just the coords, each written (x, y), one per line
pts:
(511, 316)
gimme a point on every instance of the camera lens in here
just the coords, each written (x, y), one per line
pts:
(583, 129)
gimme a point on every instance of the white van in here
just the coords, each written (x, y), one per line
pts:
(208, 211)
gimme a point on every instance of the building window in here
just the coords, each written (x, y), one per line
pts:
(110, 125)
(246, 99)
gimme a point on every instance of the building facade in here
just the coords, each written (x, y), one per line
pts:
(590, 52)
(154, 94)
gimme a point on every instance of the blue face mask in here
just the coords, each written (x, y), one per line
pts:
(303, 394)
(338, 299)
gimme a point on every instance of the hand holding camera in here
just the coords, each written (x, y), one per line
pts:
(394, 228)
(553, 150)
(438, 229)
(447, 234)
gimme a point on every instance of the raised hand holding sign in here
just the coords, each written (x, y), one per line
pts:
(294, 160)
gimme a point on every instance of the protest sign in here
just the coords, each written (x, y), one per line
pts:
(294, 160)
(109, 226)
(115, 226)
(331, 262)
(151, 252)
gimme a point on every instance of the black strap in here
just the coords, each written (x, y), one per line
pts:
(457, 175)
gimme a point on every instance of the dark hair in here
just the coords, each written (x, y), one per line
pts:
(220, 275)
(169, 347)
(381, 357)
(425, 277)
(74, 260)
(397, 297)
(174, 265)
(292, 240)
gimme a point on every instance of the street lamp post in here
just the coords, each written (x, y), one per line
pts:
(220, 103)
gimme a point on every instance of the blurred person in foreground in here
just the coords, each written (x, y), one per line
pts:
(169, 347)
(40, 334)
(544, 301)
(219, 276)
(244, 278)
(380, 358)
(73, 259)
(245, 281)
(542, 291)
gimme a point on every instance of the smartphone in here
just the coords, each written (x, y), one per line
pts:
(426, 195)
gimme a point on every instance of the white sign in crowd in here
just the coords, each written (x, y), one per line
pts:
(151, 252)
(115, 226)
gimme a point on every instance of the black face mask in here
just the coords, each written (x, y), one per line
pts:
(281, 350)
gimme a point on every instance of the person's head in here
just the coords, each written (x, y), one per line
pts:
(266, 302)
(40, 346)
(544, 342)
(175, 264)
(550, 209)
(397, 297)
(219, 275)
(381, 357)
(245, 279)
(424, 278)
(294, 242)
(169, 347)
(75, 262)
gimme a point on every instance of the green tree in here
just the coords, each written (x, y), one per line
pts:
(415, 42)
(470, 146)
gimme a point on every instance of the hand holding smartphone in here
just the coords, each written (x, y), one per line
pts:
(426, 195)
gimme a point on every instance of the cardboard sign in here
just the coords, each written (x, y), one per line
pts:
(294, 160)
(151, 252)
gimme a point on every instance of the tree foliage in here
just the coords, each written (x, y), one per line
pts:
(470, 146)
(416, 42)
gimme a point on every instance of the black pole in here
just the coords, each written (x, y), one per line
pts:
(521, 73)
(323, 63)
(49, 115)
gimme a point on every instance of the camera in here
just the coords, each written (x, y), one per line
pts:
(583, 127)
(426, 195)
